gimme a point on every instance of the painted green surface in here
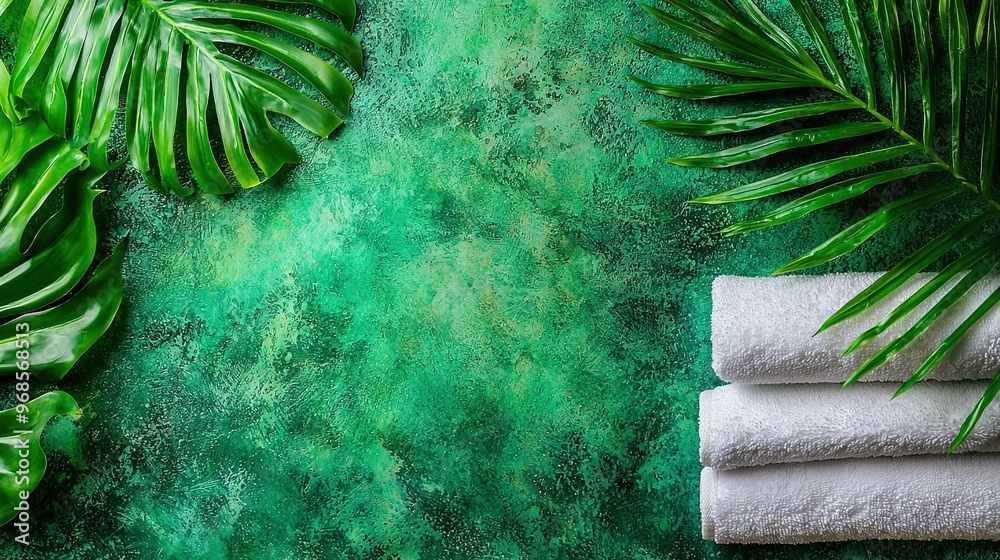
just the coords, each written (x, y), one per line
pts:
(473, 325)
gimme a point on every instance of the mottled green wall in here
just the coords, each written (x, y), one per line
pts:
(472, 325)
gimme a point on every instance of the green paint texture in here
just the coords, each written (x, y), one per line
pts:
(473, 324)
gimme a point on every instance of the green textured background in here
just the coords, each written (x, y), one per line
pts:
(473, 325)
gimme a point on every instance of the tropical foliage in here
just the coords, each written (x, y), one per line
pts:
(39, 266)
(46, 249)
(21, 428)
(167, 62)
(84, 69)
(763, 57)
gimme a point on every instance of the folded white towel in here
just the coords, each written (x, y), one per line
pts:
(922, 498)
(752, 425)
(762, 331)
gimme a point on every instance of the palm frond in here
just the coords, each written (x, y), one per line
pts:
(907, 268)
(984, 7)
(926, 291)
(779, 143)
(828, 196)
(988, 170)
(805, 176)
(921, 17)
(958, 59)
(861, 46)
(169, 62)
(762, 57)
(977, 412)
(750, 121)
(888, 22)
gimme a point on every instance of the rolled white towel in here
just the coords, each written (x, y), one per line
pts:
(921, 498)
(753, 425)
(762, 331)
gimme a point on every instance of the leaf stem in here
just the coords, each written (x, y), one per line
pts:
(926, 148)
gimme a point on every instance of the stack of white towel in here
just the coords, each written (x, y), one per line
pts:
(791, 457)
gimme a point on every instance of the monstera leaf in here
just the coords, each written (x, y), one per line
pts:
(169, 69)
(60, 335)
(39, 266)
(22, 461)
(759, 56)
(171, 64)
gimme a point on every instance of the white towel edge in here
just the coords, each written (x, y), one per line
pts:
(716, 362)
(705, 427)
(707, 497)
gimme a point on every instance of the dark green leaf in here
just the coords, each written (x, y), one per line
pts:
(95, 47)
(821, 40)
(942, 350)
(345, 10)
(943, 17)
(803, 60)
(164, 112)
(729, 29)
(5, 106)
(38, 30)
(804, 176)
(888, 22)
(920, 14)
(931, 287)
(750, 121)
(333, 38)
(67, 51)
(828, 196)
(906, 269)
(58, 257)
(958, 55)
(779, 143)
(984, 7)
(952, 296)
(40, 172)
(199, 144)
(861, 46)
(743, 26)
(990, 121)
(61, 334)
(85, 49)
(723, 67)
(18, 141)
(93, 127)
(711, 91)
(735, 45)
(18, 438)
(976, 414)
(852, 237)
